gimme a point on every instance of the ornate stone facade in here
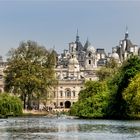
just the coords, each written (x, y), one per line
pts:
(80, 63)
(74, 67)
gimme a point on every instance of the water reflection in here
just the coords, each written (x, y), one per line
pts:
(39, 128)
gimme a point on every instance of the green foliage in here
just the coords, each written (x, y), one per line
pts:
(115, 96)
(132, 96)
(30, 70)
(108, 71)
(117, 107)
(104, 73)
(10, 105)
(92, 101)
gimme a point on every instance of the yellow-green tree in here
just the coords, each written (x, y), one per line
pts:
(132, 96)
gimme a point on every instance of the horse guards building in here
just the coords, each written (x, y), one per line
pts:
(78, 64)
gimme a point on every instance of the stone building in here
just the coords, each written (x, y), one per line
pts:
(75, 66)
(80, 62)
(125, 49)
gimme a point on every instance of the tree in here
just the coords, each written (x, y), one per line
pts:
(108, 70)
(132, 96)
(10, 105)
(30, 70)
(92, 101)
(117, 107)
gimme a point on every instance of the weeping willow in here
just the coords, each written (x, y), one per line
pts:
(10, 105)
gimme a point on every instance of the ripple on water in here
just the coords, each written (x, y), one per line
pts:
(37, 128)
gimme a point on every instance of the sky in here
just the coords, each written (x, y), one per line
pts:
(55, 22)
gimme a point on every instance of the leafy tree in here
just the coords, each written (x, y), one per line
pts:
(92, 101)
(30, 70)
(117, 107)
(10, 105)
(132, 96)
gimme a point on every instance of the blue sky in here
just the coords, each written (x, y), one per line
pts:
(55, 22)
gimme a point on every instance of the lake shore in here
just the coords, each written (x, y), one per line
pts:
(35, 113)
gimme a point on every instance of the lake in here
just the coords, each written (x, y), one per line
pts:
(45, 128)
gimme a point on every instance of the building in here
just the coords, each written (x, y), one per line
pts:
(2, 68)
(75, 66)
(78, 64)
(125, 49)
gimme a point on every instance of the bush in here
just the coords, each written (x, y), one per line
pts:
(10, 105)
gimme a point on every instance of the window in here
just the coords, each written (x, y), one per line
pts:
(89, 55)
(61, 94)
(73, 93)
(68, 93)
(72, 49)
(54, 94)
(61, 103)
(1, 76)
(89, 62)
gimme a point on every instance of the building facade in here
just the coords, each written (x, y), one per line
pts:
(78, 64)
(125, 49)
(75, 66)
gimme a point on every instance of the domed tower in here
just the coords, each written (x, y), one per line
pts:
(126, 47)
(115, 55)
(90, 57)
(73, 67)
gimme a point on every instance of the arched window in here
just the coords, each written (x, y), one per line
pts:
(89, 55)
(61, 94)
(68, 93)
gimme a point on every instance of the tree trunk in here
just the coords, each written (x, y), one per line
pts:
(29, 103)
(24, 101)
(38, 101)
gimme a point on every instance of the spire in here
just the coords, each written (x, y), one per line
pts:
(77, 36)
(53, 47)
(77, 32)
(88, 43)
(126, 33)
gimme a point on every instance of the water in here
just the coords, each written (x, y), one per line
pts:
(43, 128)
